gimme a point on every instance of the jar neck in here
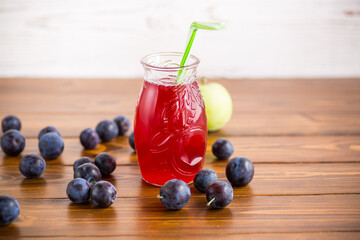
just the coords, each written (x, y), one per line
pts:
(164, 69)
(170, 78)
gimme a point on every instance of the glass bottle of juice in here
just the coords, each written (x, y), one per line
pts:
(170, 122)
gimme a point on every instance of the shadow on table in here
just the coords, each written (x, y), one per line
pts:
(10, 230)
(29, 182)
(7, 160)
(90, 212)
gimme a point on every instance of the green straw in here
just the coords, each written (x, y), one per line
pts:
(191, 36)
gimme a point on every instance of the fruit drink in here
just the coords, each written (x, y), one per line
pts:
(170, 130)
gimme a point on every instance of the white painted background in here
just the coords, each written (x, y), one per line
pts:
(106, 38)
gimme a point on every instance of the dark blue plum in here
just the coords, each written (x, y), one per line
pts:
(219, 194)
(51, 145)
(81, 161)
(78, 190)
(9, 210)
(203, 179)
(222, 149)
(89, 138)
(12, 143)
(107, 130)
(10, 122)
(239, 171)
(103, 194)
(123, 124)
(106, 163)
(175, 194)
(132, 141)
(32, 165)
(88, 171)
(48, 129)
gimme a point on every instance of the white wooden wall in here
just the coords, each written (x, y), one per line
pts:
(106, 38)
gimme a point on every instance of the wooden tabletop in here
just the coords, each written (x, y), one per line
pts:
(302, 135)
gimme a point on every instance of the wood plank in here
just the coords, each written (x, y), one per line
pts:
(249, 236)
(303, 149)
(241, 124)
(114, 95)
(73, 150)
(146, 216)
(306, 183)
(264, 107)
(270, 179)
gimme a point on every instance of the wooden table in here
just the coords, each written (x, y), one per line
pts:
(302, 135)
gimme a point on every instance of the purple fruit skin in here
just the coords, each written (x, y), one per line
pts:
(222, 192)
(107, 130)
(81, 161)
(32, 165)
(12, 142)
(51, 145)
(48, 129)
(89, 138)
(10, 122)
(175, 194)
(132, 141)
(9, 210)
(222, 149)
(123, 124)
(203, 179)
(240, 171)
(88, 171)
(103, 194)
(78, 190)
(106, 163)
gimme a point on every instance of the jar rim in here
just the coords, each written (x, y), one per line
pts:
(144, 62)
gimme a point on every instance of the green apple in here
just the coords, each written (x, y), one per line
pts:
(218, 104)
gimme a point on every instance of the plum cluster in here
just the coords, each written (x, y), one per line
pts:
(175, 193)
(87, 183)
(51, 144)
(31, 165)
(12, 141)
(105, 131)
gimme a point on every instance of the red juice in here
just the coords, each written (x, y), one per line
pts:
(170, 131)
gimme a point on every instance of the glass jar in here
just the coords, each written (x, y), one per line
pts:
(170, 122)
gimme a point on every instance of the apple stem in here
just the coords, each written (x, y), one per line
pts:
(208, 204)
(203, 80)
(158, 196)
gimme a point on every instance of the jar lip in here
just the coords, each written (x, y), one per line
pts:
(144, 62)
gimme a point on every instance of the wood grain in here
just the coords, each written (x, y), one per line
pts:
(116, 95)
(270, 179)
(274, 107)
(305, 149)
(302, 135)
(249, 236)
(146, 216)
(243, 123)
